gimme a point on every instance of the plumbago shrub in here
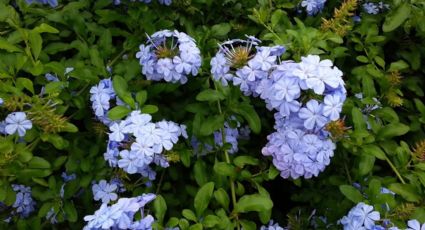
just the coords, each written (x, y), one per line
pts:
(201, 114)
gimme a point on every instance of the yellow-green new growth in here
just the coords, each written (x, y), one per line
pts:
(341, 22)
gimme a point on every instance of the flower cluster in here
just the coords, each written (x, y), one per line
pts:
(16, 122)
(163, 2)
(170, 56)
(121, 215)
(306, 95)
(375, 8)
(136, 142)
(363, 216)
(296, 151)
(313, 7)
(52, 3)
(24, 204)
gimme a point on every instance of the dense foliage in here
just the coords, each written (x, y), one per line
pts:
(205, 114)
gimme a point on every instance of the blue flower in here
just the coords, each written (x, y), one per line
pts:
(67, 178)
(129, 161)
(51, 215)
(17, 122)
(361, 216)
(104, 191)
(313, 6)
(332, 106)
(24, 204)
(312, 115)
(51, 77)
(371, 8)
(52, 3)
(415, 225)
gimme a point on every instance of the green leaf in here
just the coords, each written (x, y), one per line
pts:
(96, 60)
(36, 43)
(351, 193)
(159, 207)
(5, 45)
(38, 163)
(241, 161)
(200, 172)
(407, 191)
(398, 65)
(362, 59)
(221, 30)
(25, 83)
(374, 151)
(254, 202)
(45, 208)
(396, 17)
(250, 115)
(149, 109)
(225, 169)
(141, 97)
(188, 214)
(222, 198)
(203, 197)
(45, 28)
(248, 225)
(366, 164)
(70, 211)
(211, 221)
(210, 95)
(118, 112)
(120, 87)
(196, 227)
(392, 130)
(211, 124)
(358, 120)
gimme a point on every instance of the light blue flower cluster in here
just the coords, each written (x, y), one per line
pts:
(136, 142)
(102, 95)
(121, 215)
(24, 204)
(16, 122)
(363, 216)
(375, 8)
(300, 147)
(313, 7)
(52, 3)
(170, 56)
(163, 2)
(297, 151)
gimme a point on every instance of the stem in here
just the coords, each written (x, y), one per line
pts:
(116, 57)
(395, 170)
(348, 173)
(160, 182)
(226, 155)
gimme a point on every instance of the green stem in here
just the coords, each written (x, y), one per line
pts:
(395, 170)
(226, 155)
(116, 57)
